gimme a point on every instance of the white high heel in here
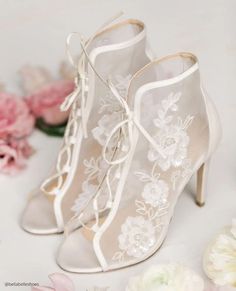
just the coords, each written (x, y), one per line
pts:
(169, 130)
(202, 184)
(115, 52)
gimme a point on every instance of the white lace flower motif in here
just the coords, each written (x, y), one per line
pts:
(105, 126)
(88, 191)
(83, 206)
(137, 236)
(220, 257)
(171, 277)
(155, 193)
(113, 110)
(95, 168)
(173, 141)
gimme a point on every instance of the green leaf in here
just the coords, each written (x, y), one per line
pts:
(51, 130)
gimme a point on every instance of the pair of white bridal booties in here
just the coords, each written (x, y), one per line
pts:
(138, 130)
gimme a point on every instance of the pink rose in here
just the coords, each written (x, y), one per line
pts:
(15, 118)
(60, 283)
(45, 102)
(13, 155)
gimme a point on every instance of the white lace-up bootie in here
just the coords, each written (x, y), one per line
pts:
(114, 53)
(168, 131)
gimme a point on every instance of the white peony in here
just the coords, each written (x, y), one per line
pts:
(170, 277)
(220, 257)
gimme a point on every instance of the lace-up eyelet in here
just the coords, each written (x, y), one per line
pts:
(66, 169)
(117, 174)
(125, 148)
(86, 88)
(77, 80)
(72, 140)
(109, 204)
(95, 228)
(78, 112)
(57, 191)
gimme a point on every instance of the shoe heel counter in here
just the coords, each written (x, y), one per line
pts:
(215, 128)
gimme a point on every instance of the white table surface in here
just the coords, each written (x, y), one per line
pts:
(34, 32)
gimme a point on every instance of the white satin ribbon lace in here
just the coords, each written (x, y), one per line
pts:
(77, 102)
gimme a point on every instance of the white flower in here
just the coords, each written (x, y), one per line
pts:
(155, 193)
(137, 236)
(84, 197)
(170, 277)
(83, 205)
(220, 257)
(173, 141)
(105, 126)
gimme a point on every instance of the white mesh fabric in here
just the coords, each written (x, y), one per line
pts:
(175, 116)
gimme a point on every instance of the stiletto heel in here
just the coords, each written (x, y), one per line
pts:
(202, 184)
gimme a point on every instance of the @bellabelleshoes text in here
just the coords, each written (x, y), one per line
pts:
(21, 284)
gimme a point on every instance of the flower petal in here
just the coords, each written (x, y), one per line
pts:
(61, 282)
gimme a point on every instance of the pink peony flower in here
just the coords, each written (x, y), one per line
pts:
(15, 118)
(13, 155)
(59, 281)
(45, 102)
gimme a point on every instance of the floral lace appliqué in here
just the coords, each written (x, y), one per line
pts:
(96, 168)
(88, 190)
(137, 236)
(105, 125)
(139, 233)
(155, 191)
(111, 110)
(171, 137)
